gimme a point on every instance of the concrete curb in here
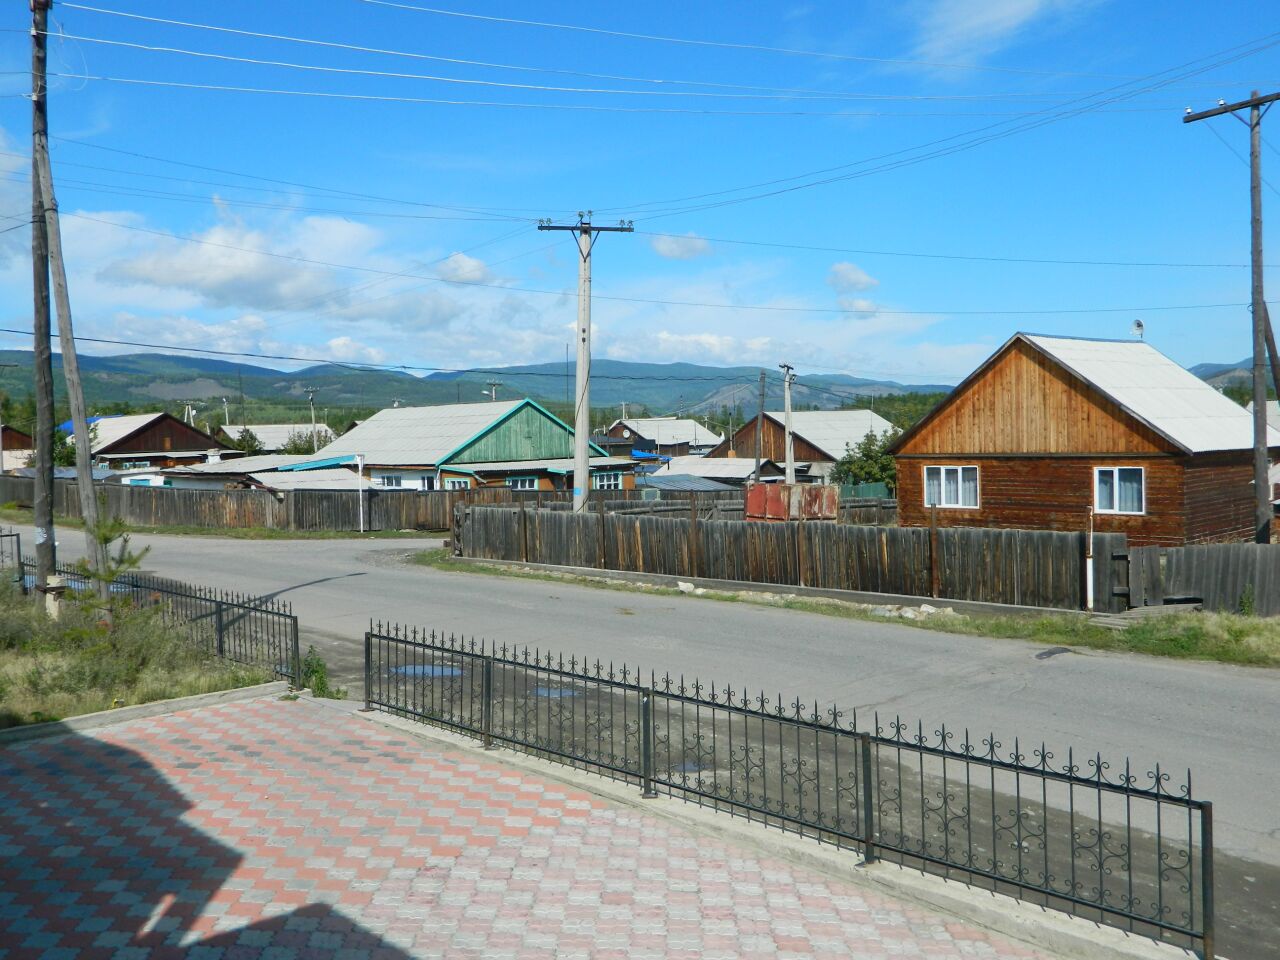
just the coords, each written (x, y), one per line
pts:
(109, 718)
(745, 586)
(1056, 933)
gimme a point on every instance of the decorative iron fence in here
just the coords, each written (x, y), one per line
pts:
(255, 631)
(11, 553)
(1075, 836)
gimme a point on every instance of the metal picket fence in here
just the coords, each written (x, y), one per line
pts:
(255, 631)
(1075, 836)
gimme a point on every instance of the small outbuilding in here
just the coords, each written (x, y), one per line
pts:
(665, 436)
(818, 439)
(1051, 428)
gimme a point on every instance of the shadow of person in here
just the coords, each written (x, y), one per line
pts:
(98, 857)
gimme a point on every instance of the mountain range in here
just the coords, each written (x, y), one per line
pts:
(156, 378)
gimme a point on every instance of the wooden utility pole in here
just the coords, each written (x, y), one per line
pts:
(311, 401)
(1263, 510)
(42, 352)
(759, 426)
(62, 298)
(788, 378)
(582, 404)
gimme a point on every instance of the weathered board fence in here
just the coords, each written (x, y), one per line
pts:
(1027, 567)
(312, 509)
(1225, 577)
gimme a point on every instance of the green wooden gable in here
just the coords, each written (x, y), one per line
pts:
(527, 433)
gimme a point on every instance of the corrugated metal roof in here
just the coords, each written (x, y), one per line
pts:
(417, 436)
(670, 430)
(832, 431)
(682, 482)
(273, 436)
(1172, 401)
(1273, 413)
(111, 430)
(557, 464)
(334, 478)
(730, 468)
(237, 465)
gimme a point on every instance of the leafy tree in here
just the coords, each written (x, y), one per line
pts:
(64, 447)
(868, 462)
(248, 442)
(299, 442)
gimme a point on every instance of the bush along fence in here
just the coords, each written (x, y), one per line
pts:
(255, 631)
(1130, 850)
(1027, 567)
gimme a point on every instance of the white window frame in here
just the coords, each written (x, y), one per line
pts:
(457, 483)
(522, 483)
(959, 469)
(391, 480)
(609, 480)
(1115, 489)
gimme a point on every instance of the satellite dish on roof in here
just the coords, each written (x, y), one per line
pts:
(1137, 329)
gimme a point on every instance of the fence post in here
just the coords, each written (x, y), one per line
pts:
(693, 537)
(600, 516)
(486, 712)
(1206, 876)
(220, 622)
(934, 574)
(868, 801)
(368, 673)
(296, 654)
(646, 744)
(524, 533)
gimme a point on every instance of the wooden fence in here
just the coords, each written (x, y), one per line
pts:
(316, 509)
(1226, 577)
(1029, 567)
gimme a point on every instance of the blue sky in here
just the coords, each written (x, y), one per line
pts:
(412, 223)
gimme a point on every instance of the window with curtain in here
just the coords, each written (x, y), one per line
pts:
(522, 483)
(1119, 490)
(951, 487)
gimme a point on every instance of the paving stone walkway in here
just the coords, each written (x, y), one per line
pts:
(279, 829)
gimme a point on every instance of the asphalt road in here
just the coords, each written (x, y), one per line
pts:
(1221, 722)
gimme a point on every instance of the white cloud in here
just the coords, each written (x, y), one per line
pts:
(464, 269)
(858, 305)
(966, 31)
(347, 349)
(225, 271)
(687, 247)
(845, 276)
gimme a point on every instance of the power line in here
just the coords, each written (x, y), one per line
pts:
(518, 105)
(804, 95)
(978, 136)
(944, 256)
(1239, 156)
(539, 70)
(759, 48)
(286, 183)
(648, 300)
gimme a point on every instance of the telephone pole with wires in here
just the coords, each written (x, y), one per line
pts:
(492, 390)
(586, 235)
(311, 401)
(788, 378)
(1258, 106)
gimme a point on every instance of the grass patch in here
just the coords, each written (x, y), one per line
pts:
(50, 670)
(1220, 637)
(12, 513)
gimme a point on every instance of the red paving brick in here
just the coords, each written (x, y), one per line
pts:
(281, 829)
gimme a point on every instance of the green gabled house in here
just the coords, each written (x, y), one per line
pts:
(514, 443)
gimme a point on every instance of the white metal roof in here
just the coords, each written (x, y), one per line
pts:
(108, 431)
(555, 465)
(273, 436)
(670, 430)
(729, 468)
(329, 478)
(1273, 413)
(416, 436)
(832, 431)
(1172, 401)
(238, 465)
